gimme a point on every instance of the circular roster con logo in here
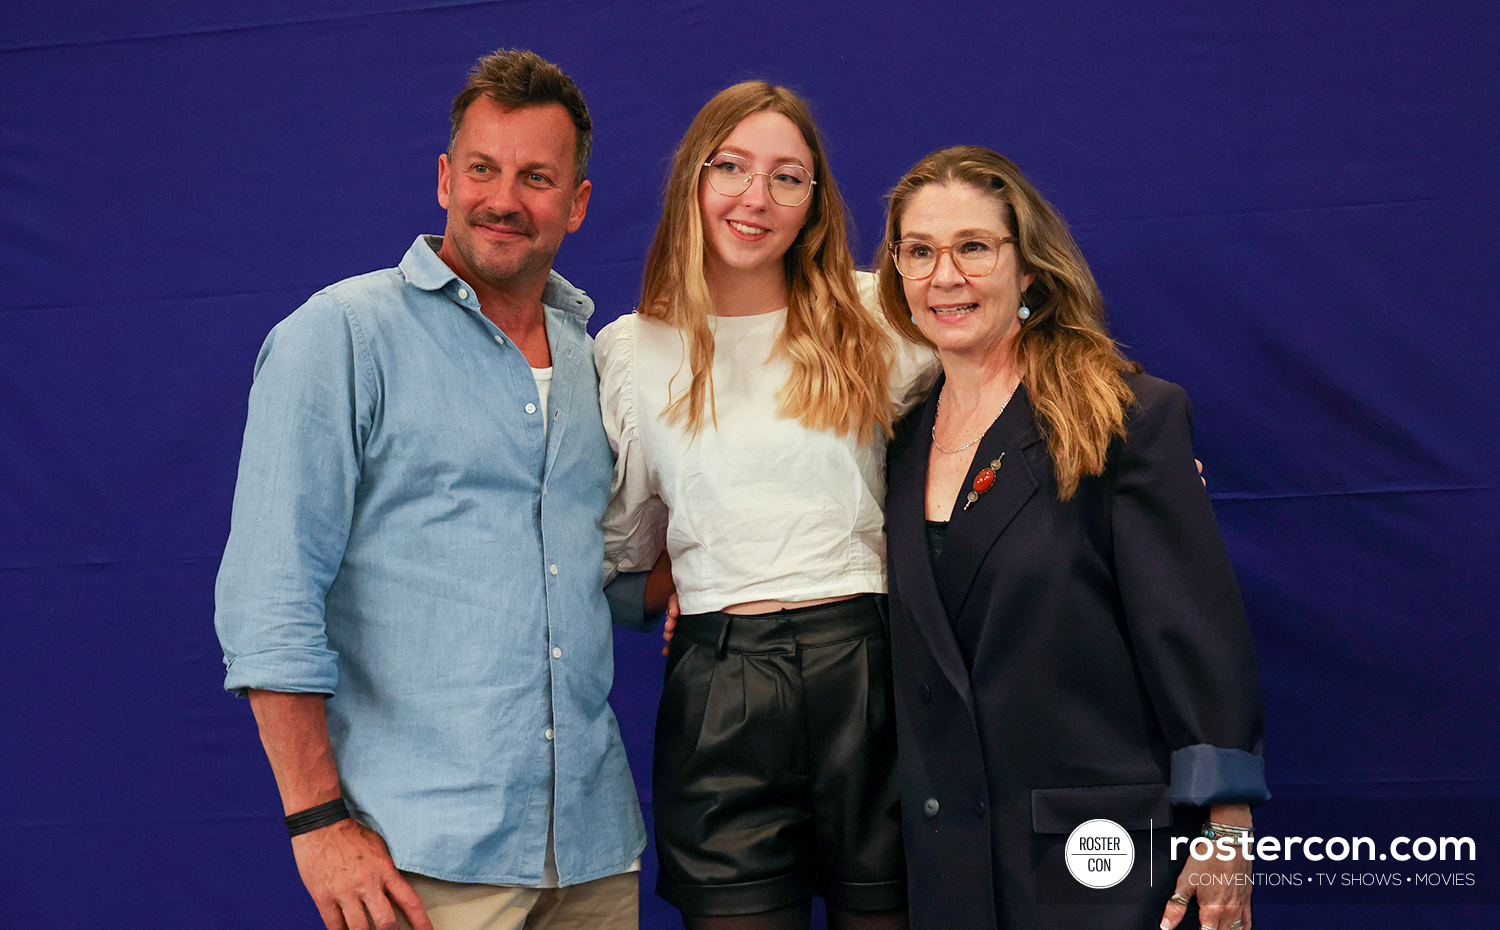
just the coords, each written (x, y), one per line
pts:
(1100, 853)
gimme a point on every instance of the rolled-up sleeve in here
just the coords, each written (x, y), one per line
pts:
(309, 413)
(1187, 623)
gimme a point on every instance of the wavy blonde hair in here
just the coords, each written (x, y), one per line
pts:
(1064, 354)
(839, 354)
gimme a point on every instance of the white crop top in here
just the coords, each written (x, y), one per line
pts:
(761, 508)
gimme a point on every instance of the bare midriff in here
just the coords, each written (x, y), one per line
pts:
(770, 607)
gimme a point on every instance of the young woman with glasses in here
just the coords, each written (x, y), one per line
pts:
(748, 400)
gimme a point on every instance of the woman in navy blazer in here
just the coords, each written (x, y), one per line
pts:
(1068, 638)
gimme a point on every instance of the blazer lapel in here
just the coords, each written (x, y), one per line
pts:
(906, 515)
(973, 532)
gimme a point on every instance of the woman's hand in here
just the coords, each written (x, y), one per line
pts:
(1222, 888)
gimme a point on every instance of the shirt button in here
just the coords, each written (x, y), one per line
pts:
(463, 293)
(552, 569)
(547, 733)
(531, 408)
(930, 808)
(500, 339)
(556, 652)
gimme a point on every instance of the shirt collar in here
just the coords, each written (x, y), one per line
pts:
(423, 269)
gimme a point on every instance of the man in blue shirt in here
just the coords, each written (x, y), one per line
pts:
(411, 591)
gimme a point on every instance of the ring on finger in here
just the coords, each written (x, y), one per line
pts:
(1179, 899)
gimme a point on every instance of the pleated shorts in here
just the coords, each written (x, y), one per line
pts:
(775, 769)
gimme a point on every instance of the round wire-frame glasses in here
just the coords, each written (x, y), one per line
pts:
(730, 176)
(975, 257)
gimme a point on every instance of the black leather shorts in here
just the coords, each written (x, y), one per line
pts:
(775, 771)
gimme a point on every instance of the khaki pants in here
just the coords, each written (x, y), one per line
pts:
(611, 903)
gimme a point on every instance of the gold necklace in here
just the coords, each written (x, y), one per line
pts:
(966, 445)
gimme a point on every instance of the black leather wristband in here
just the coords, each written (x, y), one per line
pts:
(315, 818)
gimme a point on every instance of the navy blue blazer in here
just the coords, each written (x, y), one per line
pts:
(1063, 661)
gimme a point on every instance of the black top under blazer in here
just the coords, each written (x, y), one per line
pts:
(1063, 661)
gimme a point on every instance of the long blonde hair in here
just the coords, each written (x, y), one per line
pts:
(840, 356)
(1064, 354)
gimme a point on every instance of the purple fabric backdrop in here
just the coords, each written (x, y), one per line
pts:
(1291, 209)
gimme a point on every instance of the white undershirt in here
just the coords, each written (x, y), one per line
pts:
(543, 378)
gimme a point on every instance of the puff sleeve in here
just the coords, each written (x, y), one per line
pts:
(914, 366)
(635, 521)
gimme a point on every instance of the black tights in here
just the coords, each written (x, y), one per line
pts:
(797, 917)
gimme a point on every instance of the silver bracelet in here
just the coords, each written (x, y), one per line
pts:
(1213, 830)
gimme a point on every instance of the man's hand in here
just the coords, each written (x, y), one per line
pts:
(345, 866)
(673, 612)
(353, 881)
(661, 595)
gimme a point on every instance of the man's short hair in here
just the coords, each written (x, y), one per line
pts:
(514, 77)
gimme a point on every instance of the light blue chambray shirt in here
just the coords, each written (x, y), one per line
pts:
(408, 539)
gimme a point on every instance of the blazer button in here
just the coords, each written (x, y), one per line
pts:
(979, 809)
(930, 808)
(926, 694)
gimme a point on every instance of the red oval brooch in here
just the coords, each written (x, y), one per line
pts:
(984, 480)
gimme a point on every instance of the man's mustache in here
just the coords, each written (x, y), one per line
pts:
(511, 222)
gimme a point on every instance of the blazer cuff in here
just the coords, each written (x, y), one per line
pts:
(627, 601)
(1204, 775)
